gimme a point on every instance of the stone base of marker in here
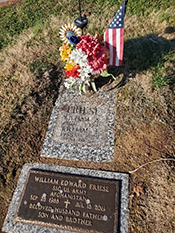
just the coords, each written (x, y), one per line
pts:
(57, 199)
(81, 127)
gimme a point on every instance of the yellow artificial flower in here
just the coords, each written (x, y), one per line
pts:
(69, 65)
(65, 50)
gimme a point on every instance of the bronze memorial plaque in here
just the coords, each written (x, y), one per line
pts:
(70, 202)
(81, 122)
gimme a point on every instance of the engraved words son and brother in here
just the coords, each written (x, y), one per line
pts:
(65, 200)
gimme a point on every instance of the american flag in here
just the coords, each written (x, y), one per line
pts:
(114, 37)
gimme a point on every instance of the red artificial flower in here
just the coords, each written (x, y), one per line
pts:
(74, 72)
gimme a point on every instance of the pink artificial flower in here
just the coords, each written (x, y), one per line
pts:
(96, 53)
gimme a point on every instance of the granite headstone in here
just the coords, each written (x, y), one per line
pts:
(81, 127)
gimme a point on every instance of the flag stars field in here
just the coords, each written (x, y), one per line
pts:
(114, 37)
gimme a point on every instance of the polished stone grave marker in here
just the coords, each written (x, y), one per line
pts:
(70, 201)
(57, 199)
(81, 127)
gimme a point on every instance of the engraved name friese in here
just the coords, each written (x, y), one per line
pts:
(70, 202)
(82, 123)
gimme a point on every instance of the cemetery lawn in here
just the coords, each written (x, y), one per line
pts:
(31, 73)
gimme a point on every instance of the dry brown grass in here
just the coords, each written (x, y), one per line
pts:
(136, 26)
(144, 135)
(144, 128)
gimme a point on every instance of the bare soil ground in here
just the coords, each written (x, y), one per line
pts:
(144, 135)
(8, 2)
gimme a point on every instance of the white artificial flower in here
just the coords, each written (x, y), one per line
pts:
(85, 72)
(68, 82)
(78, 57)
(67, 85)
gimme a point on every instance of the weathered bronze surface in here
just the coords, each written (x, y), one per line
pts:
(82, 122)
(70, 202)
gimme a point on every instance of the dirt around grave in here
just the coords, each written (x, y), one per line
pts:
(144, 139)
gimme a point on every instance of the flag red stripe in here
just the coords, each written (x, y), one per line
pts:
(114, 41)
(121, 45)
(114, 44)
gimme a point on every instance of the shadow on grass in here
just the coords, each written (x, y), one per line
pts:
(49, 79)
(141, 54)
(34, 110)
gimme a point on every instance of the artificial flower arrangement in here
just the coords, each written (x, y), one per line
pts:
(85, 57)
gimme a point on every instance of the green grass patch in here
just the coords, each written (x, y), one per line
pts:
(16, 18)
(167, 15)
(159, 80)
(164, 72)
(144, 8)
